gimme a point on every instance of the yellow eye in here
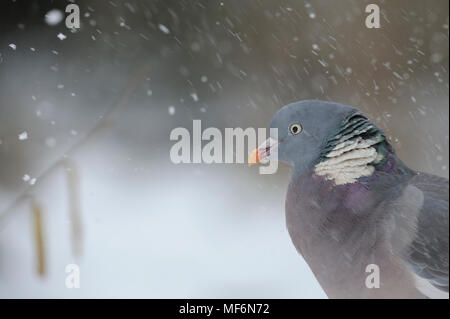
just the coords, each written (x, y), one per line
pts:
(295, 129)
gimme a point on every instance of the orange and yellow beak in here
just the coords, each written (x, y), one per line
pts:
(254, 158)
(264, 151)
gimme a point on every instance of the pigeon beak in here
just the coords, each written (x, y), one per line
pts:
(264, 151)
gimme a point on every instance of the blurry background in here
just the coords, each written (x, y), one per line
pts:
(138, 225)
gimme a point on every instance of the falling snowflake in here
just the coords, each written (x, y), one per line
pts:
(164, 29)
(194, 97)
(171, 110)
(61, 36)
(23, 136)
(13, 46)
(50, 142)
(53, 17)
(195, 46)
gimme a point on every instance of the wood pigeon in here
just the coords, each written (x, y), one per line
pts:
(367, 225)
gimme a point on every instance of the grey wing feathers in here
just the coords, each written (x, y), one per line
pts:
(429, 251)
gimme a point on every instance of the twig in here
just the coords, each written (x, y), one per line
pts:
(140, 74)
(73, 189)
(38, 232)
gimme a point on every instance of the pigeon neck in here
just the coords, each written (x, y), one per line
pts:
(355, 151)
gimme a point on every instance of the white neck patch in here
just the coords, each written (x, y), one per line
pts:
(350, 160)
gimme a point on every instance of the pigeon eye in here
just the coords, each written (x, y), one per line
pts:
(295, 129)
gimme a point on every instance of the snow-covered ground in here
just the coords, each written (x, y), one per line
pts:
(165, 232)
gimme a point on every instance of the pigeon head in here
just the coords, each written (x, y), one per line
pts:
(322, 134)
